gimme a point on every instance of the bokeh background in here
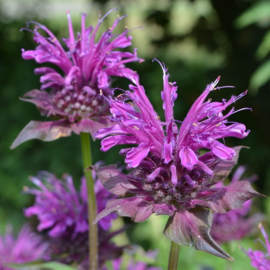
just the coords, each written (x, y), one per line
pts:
(198, 40)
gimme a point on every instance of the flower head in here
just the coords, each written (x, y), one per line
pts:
(86, 68)
(235, 224)
(25, 248)
(62, 214)
(74, 250)
(60, 208)
(170, 175)
(261, 260)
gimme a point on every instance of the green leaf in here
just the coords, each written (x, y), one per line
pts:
(260, 77)
(258, 13)
(264, 47)
(42, 266)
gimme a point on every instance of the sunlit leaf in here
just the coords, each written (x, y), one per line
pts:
(260, 77)
(257, 13)
(264, 47)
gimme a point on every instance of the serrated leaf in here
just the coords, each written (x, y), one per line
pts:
(42, 266)
(260, 77)
(256, 13)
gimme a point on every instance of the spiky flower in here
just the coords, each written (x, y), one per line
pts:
(170, 176)
(60, 208)
(25, 248)
(235, 224)
(62, 214)
(87, 66)
(74, 250)
(260, 260)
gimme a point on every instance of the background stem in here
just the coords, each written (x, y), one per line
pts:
(92, 209)
(174, 254)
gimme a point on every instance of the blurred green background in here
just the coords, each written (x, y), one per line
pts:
(198, 40)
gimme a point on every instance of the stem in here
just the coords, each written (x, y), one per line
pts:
(92, 209)
(174, 254)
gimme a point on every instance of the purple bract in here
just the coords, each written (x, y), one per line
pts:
(25, 248)
(170, 174)
(86, 68)
(235, 224)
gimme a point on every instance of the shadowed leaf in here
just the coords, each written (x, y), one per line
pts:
(191, 228)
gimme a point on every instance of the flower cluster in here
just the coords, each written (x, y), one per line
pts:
(86, 68)
(260, 260)
(60, 208)
(25, 248)
(62, 213)
(235, 224)
(170, 175)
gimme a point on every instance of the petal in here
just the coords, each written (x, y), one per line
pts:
(136, 155)
(111, 141)
(103, 80)
(136, 208)
(174, 177)
(222, 151)
(188, 157)
(45, 131)
(192, 228)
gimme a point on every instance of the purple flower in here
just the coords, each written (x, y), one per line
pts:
(261, 260)
(235, 224)
(74, 250)
(60, 208)
(170, 175)
(25, 248)
(86, 68)
(62, 214)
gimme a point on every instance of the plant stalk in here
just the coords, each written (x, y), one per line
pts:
(174, 254)
(92, 208)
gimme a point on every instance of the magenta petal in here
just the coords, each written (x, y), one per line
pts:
(231, 197)
(136, 155)
(192, 228)
(168, 152)
(45, 131)
(103, 80)
(222, 151)
(134, 207)
(113, 180)
(188, 157)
